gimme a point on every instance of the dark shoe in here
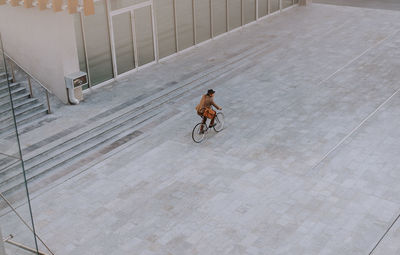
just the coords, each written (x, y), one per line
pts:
(201, 132)
(213, 125)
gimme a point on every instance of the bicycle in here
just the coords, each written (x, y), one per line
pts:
(200, 130)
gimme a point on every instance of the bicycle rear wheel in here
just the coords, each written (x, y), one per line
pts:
(219, 122)
(199, 132)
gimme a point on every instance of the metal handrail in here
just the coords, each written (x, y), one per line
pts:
(24, 222)
(19, 245)
(30, 75)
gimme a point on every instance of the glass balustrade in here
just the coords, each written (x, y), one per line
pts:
(16, 217)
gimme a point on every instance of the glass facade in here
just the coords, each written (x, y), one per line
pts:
(184, 18)
(14, 191)
(119, 4)
(122, 33)
(262, 8)
(203, 20)
(287, 3)
(235, 13)
(123, 41)
(144, 35)
(165, 27)
(274, 6)
(98, 46)
(219, 17)
(249, 11)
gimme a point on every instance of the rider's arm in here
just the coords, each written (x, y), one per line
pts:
(215, 105)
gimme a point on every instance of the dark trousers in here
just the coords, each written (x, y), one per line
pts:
(205, 120)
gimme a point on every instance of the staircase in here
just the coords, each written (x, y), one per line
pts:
(67, 151)
(26, 109)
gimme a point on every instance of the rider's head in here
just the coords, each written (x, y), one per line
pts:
(210, 92)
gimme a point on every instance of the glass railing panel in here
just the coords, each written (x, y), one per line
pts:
(16, 218)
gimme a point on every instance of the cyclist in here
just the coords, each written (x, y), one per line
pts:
(204, 108)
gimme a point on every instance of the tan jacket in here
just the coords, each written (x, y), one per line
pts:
(205, 102)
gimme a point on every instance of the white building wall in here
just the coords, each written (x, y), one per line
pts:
(2, 250)
(43, 42)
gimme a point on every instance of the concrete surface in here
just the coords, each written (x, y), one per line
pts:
(308, 162)
(373, 4)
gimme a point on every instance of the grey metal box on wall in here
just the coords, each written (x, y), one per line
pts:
(74, 83)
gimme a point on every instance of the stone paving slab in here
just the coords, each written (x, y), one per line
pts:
(259, 186)
(374, 4)
(390, 244)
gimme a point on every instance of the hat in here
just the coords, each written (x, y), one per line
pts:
(210, 92)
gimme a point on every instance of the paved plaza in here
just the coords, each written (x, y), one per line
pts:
(308, 162)
(374, 4)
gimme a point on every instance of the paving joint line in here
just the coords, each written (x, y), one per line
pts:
(359, 56)
(384, 235)
(355, 129)
(10, 156)
(369, 116)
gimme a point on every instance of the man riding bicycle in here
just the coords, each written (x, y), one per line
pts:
(204, 108)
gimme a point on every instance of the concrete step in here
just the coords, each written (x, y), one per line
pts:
(25, 109)
(94, 134)
(28, 102)
(8, 127)
(20, 113)
(12, 178)
(3, 81)
(4, 88)
(13, 85)
(10, 163)
(16, 99)
(14, 91)
(99, 131)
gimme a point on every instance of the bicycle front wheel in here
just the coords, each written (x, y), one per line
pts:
(199, 132)
(219, 122)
